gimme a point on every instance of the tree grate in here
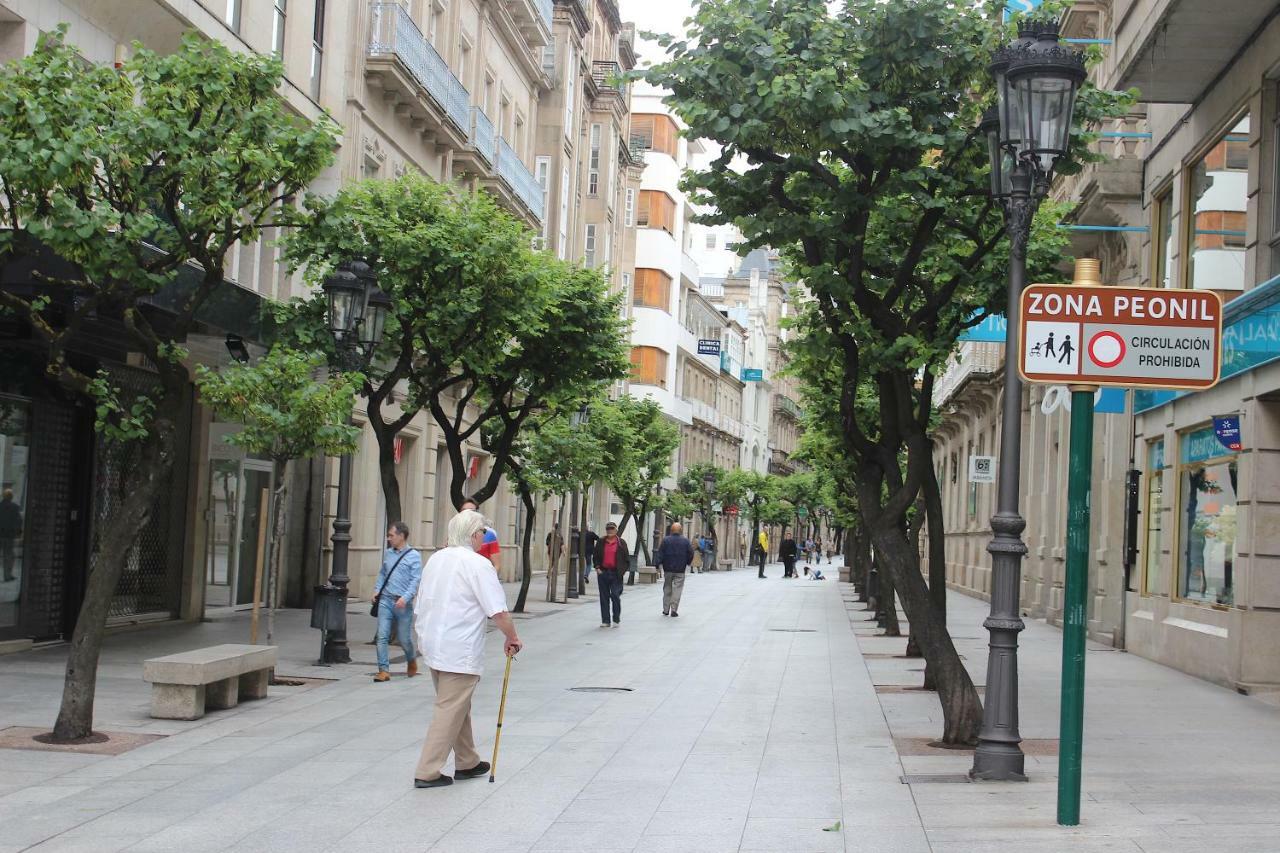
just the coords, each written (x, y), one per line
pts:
(600, 689)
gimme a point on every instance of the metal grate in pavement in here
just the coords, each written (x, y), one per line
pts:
(794, 630)
(931, 778)
(600, 689)
(925, 746)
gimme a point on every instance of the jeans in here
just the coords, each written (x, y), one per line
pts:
(672, 588)
(403, 620)
(609, 586)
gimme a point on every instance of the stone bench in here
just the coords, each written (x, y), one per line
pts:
(647, 574)
(184, 685)
(726, 565)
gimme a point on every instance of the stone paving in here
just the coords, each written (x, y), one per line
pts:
(751, 723)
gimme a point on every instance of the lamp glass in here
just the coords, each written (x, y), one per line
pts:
(346, 302)
(1047, 102)
(375, 318)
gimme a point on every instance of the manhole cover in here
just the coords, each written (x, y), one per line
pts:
(794, 630)
(932, 778)
(600, 689)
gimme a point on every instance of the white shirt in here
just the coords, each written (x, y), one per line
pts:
(458, 593)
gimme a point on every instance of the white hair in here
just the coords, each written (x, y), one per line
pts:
(463, 526)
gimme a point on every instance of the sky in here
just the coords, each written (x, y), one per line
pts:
(666, 16)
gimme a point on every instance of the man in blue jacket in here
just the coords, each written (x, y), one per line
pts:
(675, 555)
(395, 589)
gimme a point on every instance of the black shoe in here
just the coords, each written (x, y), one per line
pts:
(438, 782)
(479, 770)
(666, 613)
(673, 613)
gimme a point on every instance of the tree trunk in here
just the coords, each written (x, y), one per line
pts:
(913, 536)
(277, 541)
(640, 535)
(961, 708)
(526, 557)
(937, 544)
(387, 474)
(140, 487)
(889, 603)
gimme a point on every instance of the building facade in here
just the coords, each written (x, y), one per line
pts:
(1187, 198)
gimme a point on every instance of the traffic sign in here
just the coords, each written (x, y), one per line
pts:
(1124, 336)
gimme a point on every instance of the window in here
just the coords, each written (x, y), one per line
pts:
(652, 290)
(1164, 242)
(589, 247)
(562, 248)
(277, 28)
(570, 81)
(711, 239)
(649, 366)
(1154, 517)
(626, 282)
(613, 168)
(630, 217)
(593, 162)
(1207, 484)
(542, 170)
(435, 17)
(654, 133)
(608, 250)
(656, 210)
(232, 16)
(1218, 189)
(317, 49)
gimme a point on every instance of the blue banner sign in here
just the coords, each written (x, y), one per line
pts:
(1227, 428)
(752, 374)
(1200, 446)
(991, 330)
(708, 346)
(1019, 7)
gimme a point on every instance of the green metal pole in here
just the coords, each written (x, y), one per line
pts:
(1075, 607)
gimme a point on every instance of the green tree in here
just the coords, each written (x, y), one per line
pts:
(692, 484)
(143, 179)
(753, 493)
(287, 414)
(855, 125)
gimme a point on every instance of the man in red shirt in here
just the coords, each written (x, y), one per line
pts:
(611, 559)
(490, 549)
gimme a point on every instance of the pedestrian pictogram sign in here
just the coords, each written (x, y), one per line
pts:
(1127, 336)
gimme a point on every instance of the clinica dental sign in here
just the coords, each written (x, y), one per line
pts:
(1121, 336)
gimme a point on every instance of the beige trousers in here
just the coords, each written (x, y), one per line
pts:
(450, 727)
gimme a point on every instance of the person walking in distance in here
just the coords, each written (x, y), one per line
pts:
(709, 552)
(787, 554)
(675, 555)
(458, 594)
(763, 542)
(491, 550)
(590, 562)
(611, 558)
(10, 530)
(397, 584)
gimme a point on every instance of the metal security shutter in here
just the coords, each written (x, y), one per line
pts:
(48, 517)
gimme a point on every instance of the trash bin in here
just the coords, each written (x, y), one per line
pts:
(329, 607)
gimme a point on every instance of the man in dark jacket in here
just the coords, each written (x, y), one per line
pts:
(590, 552)
(787, 553)
(675, 554)
(611, 559)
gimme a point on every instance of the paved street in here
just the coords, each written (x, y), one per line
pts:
(752, 722)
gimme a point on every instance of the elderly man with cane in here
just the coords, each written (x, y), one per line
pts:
(458, 593)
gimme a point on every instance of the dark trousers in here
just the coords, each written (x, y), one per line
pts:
(789, 565)
(763, 557)
(609, 586)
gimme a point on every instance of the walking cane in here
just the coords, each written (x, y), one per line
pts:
(502, 706)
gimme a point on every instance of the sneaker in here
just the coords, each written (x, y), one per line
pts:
(382, 675)
(617, 623)
(438, 782)
(479, 770)
(604, 624)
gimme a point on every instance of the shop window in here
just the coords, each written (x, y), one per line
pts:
(1165, 245)
(649, 366)
(1154, 516)
(1218, 188)
(1207, 494)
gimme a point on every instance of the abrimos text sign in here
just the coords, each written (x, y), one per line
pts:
(1126, 336)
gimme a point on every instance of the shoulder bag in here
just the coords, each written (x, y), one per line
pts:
(373, 608)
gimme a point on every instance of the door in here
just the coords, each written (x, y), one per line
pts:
(15, 442)
(236, 510)
(256, 503)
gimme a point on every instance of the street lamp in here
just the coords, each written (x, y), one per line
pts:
(1027, 134)
(578, 558)
(357, 316)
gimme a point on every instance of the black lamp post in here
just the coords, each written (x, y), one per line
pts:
(357, 315)
(578, 557)
(1027, 133)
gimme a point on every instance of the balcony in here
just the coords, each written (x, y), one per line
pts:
(785, 405)
(483, 136)
(1172, 50)
(607, 77)
(408, 69)
(519, 180)
(533, 18)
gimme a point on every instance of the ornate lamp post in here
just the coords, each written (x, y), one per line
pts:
(357, 315)
(1027, 134)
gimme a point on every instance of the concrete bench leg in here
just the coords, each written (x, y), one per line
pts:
(253, 685)
(223, 694)
(177, 701)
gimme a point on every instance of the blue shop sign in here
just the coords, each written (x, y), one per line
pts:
(1200, 445)
(752, 374)
(1250, 338)
(708, 346)
(992, 330)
